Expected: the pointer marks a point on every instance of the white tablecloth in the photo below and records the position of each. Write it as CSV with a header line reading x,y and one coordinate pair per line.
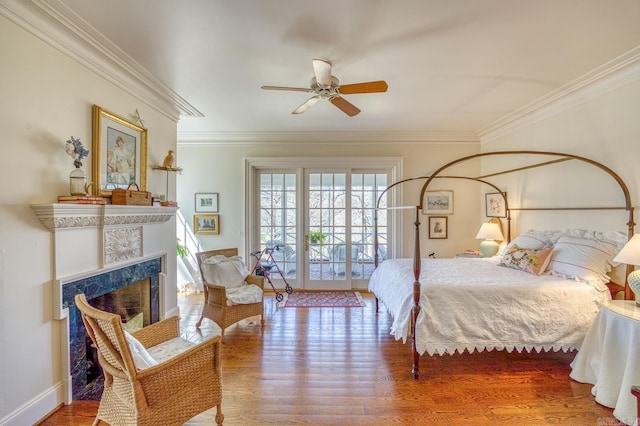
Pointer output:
x,y
609,358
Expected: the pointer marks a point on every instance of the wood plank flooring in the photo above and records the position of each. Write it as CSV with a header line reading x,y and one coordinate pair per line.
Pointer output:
x,y
329,366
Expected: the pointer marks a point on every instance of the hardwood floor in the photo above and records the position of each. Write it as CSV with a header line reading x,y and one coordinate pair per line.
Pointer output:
x,y
324,366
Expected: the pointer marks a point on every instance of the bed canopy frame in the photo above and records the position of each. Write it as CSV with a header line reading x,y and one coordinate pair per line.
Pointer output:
x,y
557,157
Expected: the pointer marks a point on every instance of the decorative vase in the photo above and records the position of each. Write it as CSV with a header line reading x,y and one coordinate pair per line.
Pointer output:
x,y
78,182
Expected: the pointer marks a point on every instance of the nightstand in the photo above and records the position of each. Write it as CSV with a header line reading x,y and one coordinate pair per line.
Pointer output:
x,y
608,358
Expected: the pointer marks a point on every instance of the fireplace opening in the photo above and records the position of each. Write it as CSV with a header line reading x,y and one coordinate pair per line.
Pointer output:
x,y
133,292
133,304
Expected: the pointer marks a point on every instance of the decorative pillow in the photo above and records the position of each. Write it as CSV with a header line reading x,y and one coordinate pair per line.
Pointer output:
x,y
533,261
530,240
141,357
583,258
227,271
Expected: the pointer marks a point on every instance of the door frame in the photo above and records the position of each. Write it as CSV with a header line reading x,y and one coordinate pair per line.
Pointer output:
x,y
299,164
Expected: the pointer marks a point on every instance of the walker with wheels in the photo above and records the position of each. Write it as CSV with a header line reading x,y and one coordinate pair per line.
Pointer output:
x,y
264,266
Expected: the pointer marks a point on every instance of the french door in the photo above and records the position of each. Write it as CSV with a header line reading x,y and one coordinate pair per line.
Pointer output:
x,y
319,223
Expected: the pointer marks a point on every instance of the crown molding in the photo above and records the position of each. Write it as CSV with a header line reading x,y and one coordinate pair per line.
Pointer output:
x,y
57,25
610,76
194,139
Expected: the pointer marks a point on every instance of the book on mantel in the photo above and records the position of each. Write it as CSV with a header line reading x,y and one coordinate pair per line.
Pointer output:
x,y
81,199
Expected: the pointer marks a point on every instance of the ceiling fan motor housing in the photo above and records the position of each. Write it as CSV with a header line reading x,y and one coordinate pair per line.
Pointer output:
x,y
325,92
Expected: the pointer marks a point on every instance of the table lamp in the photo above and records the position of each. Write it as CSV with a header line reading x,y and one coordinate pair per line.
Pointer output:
x,y
489,232
630,254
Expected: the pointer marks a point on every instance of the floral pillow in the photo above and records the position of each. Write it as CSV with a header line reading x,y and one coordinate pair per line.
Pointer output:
x,y
533,261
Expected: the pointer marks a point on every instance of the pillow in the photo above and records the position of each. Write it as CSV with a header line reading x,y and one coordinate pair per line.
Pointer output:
x,y
226,271
533,261
583,258
141,357
530,240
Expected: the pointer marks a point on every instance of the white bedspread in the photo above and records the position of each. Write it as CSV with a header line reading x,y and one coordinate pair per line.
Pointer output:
x,y
475,304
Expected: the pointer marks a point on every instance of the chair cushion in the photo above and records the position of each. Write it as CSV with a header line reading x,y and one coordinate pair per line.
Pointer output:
x,y
170,348
244,294
141,357
226,271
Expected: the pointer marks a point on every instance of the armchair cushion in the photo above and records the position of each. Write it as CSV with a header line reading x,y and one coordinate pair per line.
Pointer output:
x,y
170,348
244,294
229,272
141,357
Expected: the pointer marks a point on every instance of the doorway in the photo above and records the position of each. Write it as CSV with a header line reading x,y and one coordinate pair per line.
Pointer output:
x,y
320,221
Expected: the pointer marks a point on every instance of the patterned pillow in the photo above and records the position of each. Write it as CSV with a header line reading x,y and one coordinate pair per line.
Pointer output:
x,y
533,261
530,240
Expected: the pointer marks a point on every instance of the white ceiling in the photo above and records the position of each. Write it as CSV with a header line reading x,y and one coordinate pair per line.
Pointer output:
x,y
451,66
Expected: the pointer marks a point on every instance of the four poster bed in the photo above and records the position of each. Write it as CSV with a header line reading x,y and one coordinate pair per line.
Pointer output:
x,y
540,293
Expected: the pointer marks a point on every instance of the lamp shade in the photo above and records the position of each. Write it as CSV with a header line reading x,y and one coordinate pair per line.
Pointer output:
x,y
630,253
489,231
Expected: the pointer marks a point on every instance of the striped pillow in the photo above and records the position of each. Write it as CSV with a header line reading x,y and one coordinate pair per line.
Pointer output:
x,y
582,258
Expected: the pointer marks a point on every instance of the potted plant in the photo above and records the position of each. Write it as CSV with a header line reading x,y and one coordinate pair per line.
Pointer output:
x,y
317,237
181,249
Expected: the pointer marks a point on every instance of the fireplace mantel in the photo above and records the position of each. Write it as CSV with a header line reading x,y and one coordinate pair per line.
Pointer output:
x,y
92,240
65,216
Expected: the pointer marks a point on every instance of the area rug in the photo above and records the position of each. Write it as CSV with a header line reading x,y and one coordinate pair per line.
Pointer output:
x,y
322,299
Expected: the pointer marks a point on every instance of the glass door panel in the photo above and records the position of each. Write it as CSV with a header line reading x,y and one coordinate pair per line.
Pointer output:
x,y
327,231
365,190
278,222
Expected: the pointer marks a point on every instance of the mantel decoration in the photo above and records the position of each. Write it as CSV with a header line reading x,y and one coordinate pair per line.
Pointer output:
x,y
119,153
77,177
167,166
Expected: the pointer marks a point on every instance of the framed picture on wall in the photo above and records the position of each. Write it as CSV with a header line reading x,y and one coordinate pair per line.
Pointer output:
x,y
119,156
206,202
437,227
438,202
495,205
206,224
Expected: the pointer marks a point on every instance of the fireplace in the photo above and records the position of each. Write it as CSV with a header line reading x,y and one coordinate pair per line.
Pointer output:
x,y
138,284
98,249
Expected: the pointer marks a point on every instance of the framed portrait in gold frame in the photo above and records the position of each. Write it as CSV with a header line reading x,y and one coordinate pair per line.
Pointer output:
x,y
119,153
207,224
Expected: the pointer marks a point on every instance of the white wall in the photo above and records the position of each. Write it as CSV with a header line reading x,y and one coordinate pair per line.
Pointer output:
x,y
46,98
220,168
603,126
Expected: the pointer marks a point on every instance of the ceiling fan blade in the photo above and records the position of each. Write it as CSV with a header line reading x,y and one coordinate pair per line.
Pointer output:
x,y
308,104
323,72
346,106
369,87
295,89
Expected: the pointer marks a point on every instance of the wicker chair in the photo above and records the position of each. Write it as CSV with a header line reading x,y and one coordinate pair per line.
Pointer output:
x,y
215,303
169,393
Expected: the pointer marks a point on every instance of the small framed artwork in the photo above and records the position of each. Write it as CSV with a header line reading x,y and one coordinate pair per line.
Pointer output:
x,y
495,205
438,202
119,155
437,227
207,224
206,202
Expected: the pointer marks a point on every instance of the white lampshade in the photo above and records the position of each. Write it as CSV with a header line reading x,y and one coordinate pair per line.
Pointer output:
x,y
630,254
489,231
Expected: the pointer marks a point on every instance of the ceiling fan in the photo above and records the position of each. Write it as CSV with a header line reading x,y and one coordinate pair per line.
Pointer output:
x,y
326,86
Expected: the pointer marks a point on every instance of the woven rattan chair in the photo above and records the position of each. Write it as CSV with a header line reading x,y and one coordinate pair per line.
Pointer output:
x,y
169,393
216,307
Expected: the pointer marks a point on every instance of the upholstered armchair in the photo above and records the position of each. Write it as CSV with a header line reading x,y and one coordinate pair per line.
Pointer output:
x,y
225,302
152,376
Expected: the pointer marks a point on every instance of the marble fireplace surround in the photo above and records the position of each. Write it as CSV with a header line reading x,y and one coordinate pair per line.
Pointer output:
x,y
91,242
